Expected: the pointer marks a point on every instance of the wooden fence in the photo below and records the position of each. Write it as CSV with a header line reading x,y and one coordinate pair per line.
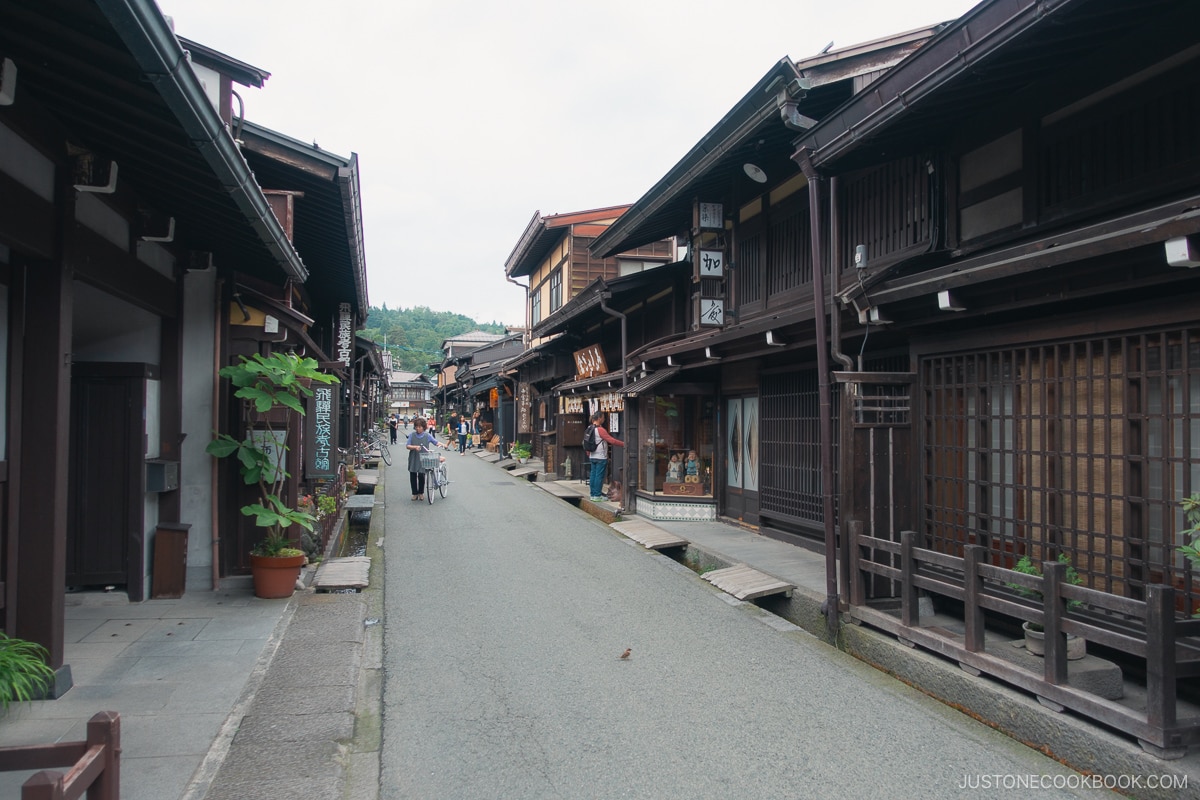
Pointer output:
x,y
1148,630
95,764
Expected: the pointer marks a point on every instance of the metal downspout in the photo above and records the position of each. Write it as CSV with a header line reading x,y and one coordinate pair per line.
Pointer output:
x,y
214,470
835,339
825,417
604,298
835,270
526,336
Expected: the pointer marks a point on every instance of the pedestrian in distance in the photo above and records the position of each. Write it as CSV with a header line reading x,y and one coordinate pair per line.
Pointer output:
x,y
601,439
420,439
393,426
464,430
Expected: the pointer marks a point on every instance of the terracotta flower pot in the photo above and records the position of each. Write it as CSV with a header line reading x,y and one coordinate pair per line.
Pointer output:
x,y
275,576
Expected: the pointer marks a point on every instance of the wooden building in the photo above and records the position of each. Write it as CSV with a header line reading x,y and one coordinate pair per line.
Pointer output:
x,y
129,217
997,352
739,201
554,255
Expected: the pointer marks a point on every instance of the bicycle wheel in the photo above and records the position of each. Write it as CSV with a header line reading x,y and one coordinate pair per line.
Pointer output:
x,y
385,454
430,483
443,481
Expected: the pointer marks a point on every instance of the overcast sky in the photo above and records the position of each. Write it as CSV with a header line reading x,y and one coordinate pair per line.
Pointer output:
x,y
469,116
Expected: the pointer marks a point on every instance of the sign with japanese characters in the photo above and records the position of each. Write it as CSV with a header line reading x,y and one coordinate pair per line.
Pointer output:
x,y
710,216
524,405
712,311
274,444
710,263
345,335
320,442
590,362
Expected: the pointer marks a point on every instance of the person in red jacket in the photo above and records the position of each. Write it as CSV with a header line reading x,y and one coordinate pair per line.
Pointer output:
x,y
599,456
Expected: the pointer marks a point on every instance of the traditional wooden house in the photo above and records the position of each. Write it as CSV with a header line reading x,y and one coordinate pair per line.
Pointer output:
x,y
411,393
554,255
450,396
1005,224
739,201
128,215
603,327
483,386
315,196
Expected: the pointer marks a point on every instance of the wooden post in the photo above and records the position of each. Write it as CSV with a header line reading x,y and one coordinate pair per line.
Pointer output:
x,y
44,785
858,592
1054,575
104,729
910,605
1160,657
973,556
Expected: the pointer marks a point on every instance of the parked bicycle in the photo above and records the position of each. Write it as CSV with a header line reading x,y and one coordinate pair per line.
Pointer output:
x,y
436,476
376,440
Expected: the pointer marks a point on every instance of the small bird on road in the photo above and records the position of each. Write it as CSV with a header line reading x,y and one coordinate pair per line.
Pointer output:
x,y
628,652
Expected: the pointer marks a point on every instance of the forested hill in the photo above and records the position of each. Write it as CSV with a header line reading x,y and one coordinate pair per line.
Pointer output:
x,y
415,335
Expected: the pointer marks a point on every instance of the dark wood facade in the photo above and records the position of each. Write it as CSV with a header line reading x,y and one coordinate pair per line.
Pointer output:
x,y
1012,348
121,248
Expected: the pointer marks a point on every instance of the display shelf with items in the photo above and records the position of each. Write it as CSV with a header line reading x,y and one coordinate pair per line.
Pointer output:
x,y
677,446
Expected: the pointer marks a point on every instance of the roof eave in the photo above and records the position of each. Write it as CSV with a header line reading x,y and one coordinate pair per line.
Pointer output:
x,y
158,53
959,47
756,106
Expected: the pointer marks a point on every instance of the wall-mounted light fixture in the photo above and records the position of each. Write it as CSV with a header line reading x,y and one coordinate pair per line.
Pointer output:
x,y
754,172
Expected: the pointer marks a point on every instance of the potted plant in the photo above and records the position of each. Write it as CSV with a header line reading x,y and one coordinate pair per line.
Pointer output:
x,y
521,451
24,673
326,505
1035,635
272,387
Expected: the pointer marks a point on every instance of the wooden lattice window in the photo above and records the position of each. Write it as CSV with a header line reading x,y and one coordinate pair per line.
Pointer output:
x,y
791,481
1083,447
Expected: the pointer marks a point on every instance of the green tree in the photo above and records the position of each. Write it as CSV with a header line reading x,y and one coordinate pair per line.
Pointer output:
x,y
414,336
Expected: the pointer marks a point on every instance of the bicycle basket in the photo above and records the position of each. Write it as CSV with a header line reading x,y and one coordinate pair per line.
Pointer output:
x,y
429,460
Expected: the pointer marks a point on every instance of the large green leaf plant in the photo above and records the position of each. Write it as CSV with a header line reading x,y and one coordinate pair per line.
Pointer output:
x,y
268,383
24,674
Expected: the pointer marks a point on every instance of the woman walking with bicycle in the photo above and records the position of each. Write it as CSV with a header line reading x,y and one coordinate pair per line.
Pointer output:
x,y
420,439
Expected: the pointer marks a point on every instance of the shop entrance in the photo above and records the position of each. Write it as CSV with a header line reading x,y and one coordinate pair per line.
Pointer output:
x,y
740,496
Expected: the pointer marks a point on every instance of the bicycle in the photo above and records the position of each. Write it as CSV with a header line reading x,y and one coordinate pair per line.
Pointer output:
x,y
377,441
436,476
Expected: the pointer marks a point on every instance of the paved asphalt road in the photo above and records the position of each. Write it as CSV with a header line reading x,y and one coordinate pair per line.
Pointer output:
x,y
506,611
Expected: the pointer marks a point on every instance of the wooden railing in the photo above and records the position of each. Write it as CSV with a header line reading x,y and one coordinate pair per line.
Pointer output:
x,y
1148,630
95,764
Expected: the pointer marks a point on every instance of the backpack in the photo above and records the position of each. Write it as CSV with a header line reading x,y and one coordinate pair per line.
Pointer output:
x,y
589,439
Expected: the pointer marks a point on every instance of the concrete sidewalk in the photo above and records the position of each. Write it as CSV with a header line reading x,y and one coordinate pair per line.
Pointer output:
x,y
222,694
173,669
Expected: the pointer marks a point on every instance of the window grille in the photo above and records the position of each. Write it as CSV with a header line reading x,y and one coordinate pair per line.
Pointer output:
x,y
1083,447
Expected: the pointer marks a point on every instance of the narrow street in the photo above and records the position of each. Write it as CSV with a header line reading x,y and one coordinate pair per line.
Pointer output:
x,y
507,611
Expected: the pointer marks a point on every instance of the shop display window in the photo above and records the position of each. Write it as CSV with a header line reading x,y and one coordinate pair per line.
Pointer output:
x,y
675,456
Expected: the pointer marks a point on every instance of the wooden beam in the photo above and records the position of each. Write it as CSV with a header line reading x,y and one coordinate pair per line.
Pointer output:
x,y
26,220
104,265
